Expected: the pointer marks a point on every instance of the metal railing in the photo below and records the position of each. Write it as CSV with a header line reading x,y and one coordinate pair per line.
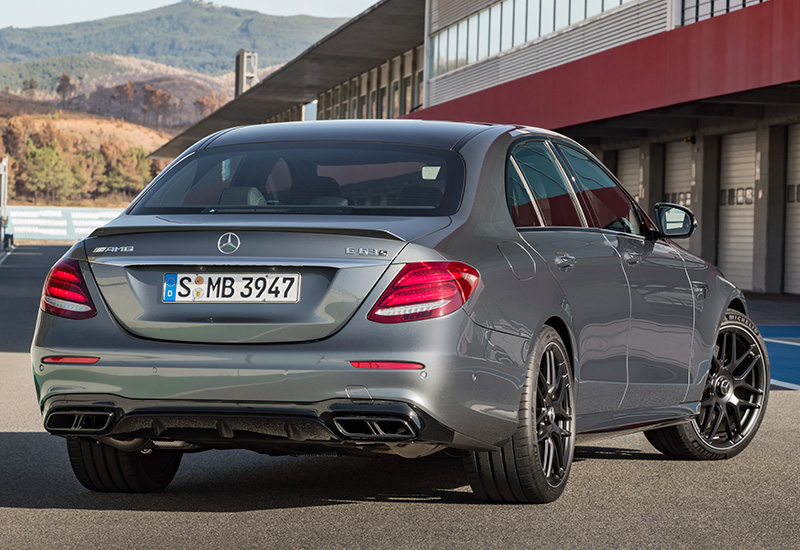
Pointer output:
x,y
693,11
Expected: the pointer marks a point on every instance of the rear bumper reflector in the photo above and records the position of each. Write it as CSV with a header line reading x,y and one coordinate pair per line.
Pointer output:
x,y
73,360
385,365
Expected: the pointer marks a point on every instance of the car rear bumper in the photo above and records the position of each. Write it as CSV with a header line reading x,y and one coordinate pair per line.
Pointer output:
x,y
340,426
469,387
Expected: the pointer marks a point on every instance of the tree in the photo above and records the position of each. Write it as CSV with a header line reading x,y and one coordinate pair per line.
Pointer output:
x,y
207,104
29,86
49,175
124,93
65,87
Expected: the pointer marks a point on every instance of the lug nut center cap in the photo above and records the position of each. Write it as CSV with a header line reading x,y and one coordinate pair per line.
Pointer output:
x,y
723,387
551,415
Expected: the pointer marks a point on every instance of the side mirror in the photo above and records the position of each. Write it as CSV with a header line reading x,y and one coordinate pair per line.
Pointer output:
x,y
674,221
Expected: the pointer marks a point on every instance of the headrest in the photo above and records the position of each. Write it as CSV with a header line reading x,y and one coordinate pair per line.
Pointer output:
x,y
242,196
303,191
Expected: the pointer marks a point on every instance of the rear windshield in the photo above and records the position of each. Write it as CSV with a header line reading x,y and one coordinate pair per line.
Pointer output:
x,y
311,178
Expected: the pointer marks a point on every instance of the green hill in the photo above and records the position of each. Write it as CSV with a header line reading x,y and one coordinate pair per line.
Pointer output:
x,y
191,34
47,71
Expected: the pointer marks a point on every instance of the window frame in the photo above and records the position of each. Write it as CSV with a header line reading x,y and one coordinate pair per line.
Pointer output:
x,y
558,162
573,177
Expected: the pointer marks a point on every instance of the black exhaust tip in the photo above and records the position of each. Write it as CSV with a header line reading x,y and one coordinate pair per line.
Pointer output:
x,y
375,428
79,422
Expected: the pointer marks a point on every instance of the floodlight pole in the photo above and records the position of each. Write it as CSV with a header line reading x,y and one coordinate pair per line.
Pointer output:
x,y
3,200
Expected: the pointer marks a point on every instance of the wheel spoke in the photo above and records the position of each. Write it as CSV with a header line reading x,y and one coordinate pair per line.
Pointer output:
x,y
559,456
728,426
749,368
748,388
737,419
717,422
547,458
561,432
706,417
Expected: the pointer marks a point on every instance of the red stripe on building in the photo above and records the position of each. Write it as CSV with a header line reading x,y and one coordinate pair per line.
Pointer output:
x,y
755,47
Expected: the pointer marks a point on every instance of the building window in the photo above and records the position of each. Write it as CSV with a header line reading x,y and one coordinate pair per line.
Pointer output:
x,y
547,17
534,11
520,20
383,104
461,53
483,34
406,99
495,24
507,25
420,87
472,39
452,45
395,112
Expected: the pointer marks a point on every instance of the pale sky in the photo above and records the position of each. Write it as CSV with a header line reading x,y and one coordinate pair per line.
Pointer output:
x,y
44,13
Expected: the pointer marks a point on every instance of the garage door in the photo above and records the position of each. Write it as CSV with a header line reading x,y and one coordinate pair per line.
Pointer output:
x,y
791,275
678,173
628,170
737,207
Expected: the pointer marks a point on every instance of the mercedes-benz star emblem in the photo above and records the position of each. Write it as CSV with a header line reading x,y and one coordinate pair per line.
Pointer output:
x,y
228,243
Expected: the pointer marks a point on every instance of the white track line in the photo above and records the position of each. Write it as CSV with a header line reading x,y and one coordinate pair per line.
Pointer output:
x,y
787,385
3,259
775,341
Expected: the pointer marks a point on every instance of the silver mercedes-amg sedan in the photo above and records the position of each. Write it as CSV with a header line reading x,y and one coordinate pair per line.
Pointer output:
x,y
402,287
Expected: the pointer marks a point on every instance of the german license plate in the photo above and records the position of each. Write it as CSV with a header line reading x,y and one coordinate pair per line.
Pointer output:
x,y
231,287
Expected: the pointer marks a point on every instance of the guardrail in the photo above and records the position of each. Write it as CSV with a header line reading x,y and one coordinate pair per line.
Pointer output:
x,y
48,223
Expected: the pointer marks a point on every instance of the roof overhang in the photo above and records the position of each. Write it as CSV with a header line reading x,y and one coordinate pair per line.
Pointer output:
x,y
385,30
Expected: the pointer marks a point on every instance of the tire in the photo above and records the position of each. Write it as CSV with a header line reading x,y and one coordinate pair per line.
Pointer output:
x,y
734,399
533,467
104,469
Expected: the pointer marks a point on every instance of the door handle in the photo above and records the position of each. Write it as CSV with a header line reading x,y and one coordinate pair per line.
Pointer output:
x,y
565,261
632,258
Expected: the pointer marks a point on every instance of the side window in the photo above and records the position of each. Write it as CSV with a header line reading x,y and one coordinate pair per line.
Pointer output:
x,y
546,182
522,209
608,205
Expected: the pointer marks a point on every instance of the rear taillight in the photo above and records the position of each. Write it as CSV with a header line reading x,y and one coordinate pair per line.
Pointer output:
x,y
425,290
65,293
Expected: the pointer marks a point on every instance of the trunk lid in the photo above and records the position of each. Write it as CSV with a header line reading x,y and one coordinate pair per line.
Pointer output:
x,y
336,265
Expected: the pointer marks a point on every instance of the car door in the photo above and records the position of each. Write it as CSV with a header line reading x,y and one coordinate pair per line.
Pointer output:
x,y
589,271
662,307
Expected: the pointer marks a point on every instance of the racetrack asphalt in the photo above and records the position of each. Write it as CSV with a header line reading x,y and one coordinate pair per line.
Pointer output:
x,y
621,493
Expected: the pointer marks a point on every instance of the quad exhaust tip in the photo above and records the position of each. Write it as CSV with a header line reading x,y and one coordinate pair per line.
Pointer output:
x,y
79,422
376,428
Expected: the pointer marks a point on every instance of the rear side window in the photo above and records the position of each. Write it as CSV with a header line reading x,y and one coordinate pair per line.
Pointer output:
x,y
311,178
550,190
608,206
523,212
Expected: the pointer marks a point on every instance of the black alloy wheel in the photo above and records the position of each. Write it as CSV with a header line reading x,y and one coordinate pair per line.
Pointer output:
x,y
555,432
734,397
534,465
735,391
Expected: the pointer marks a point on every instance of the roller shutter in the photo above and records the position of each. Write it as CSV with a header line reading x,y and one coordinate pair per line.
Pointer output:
x,y
678,173
791,274
737,207
628,170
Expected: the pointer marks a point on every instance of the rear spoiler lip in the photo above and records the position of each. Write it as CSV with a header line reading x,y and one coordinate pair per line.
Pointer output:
x,y
109,231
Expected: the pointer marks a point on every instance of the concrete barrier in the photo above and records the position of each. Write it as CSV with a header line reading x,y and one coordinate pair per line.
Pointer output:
x,y
53,223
